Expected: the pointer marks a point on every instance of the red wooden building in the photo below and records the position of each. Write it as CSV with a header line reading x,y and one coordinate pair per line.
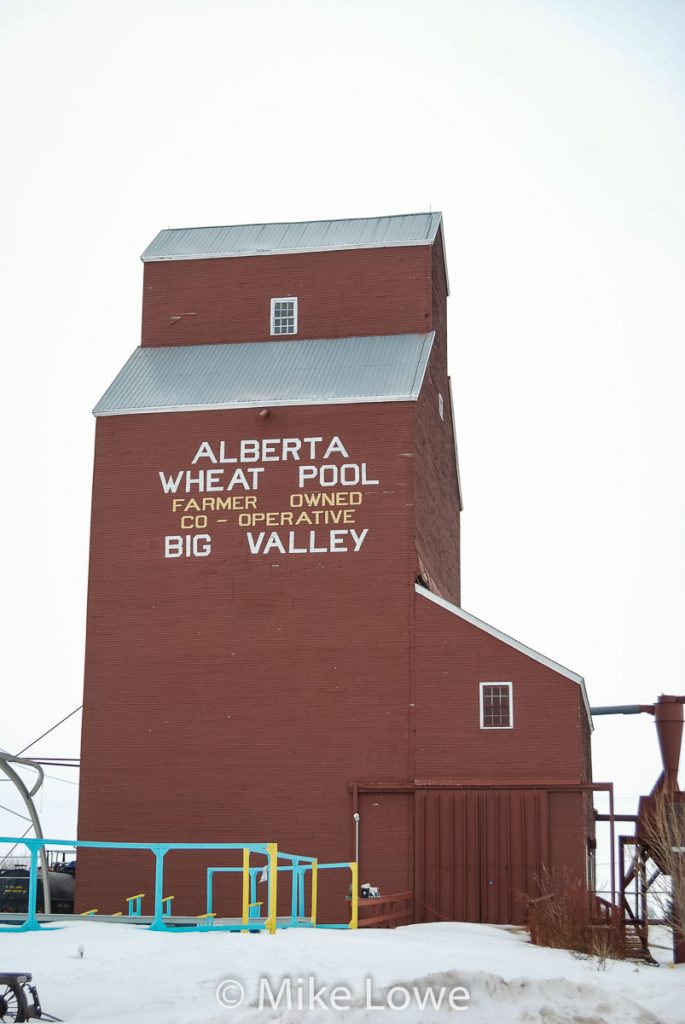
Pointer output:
x,y
275,639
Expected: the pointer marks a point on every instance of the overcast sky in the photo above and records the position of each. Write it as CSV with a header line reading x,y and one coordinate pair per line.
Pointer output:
x,y
550,134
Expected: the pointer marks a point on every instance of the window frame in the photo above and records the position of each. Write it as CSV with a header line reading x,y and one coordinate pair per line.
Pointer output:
x,y
272,318
510,687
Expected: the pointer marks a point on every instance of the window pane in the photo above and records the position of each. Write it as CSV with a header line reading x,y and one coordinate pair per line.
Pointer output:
x,y
496,707
284,316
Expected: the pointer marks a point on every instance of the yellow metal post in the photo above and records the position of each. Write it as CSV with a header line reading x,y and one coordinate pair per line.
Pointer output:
x,y
272,854
354,918
315,889
246,885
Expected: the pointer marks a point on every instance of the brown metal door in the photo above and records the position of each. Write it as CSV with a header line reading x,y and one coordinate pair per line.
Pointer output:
x,y
478,853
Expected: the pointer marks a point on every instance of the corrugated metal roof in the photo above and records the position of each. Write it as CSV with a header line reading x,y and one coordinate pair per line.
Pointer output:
x,y
389,368
302,236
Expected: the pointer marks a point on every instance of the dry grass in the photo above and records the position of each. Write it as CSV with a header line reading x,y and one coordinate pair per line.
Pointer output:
x,y
567,916
664,833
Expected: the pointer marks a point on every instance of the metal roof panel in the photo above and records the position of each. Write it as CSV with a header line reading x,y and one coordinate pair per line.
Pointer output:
x,y
388,368
300,236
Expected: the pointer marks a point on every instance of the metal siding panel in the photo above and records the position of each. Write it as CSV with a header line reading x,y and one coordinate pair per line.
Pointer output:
x,y
492,863
445,840
430,860
459,857
517,873
467,839
472,858
419,856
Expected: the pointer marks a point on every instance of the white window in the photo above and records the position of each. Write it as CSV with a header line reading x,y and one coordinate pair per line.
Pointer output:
x,y
496,706
284,316
441,406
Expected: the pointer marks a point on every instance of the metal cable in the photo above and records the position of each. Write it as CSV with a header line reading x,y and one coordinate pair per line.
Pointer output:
x,y
11,851
10,811
52,729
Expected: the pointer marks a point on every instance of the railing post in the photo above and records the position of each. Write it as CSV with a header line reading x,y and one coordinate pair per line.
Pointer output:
x,y
301,875
354,903
157,922
210,879
315,890
246,885
272,854
31,923
295,879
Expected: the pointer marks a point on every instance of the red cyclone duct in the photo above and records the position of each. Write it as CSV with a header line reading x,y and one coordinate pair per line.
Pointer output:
x,y
668,718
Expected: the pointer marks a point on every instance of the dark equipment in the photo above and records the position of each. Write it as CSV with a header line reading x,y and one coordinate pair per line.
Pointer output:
x,y
18,998
14,892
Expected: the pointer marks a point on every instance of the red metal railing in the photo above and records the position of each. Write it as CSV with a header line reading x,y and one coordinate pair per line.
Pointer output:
x,y
386,911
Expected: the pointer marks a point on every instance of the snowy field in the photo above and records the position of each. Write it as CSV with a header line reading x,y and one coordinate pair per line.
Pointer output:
x,y
128,975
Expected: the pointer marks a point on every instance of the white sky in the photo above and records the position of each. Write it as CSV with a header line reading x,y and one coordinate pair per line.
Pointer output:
x,y
549,132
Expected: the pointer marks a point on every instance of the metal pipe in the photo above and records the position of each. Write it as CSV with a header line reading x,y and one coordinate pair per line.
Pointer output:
x,y
612,839
617,817
26,795
668,719
623,709
426,784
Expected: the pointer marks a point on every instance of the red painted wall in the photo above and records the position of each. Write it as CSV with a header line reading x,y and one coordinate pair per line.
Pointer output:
x,y
453,657
236,696
548,745
437,524
439,302
239,696
346,293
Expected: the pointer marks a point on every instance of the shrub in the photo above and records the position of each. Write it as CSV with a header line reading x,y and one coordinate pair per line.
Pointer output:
x,y
567,916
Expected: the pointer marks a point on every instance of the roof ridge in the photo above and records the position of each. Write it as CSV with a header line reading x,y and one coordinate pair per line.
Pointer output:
x,y
318,220
268,238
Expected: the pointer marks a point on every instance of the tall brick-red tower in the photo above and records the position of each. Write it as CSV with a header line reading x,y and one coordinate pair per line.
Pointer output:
x,y
275,638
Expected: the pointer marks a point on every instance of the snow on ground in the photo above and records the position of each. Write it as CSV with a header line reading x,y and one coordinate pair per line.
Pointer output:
x,y
129,975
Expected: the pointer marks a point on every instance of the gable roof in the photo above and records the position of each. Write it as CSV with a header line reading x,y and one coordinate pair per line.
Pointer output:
x,y
180,378
516,644
300,236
